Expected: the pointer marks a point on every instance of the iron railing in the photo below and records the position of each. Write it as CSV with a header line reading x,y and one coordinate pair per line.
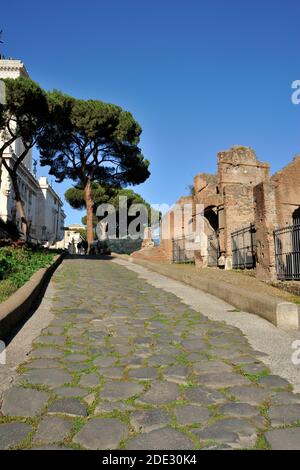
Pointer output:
x,y
243,245
181,251
287,251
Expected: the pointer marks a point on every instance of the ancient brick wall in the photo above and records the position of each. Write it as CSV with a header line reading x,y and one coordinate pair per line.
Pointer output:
x,y
241,193
176,223
240,165
238,212
207,200
287,191
265,219
167,233
238,172
206,203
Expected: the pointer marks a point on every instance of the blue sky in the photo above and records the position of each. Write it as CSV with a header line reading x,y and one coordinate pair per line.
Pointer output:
x,y
199,76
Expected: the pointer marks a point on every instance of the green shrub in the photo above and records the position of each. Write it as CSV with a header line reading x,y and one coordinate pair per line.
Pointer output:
x,y
6,262
18,264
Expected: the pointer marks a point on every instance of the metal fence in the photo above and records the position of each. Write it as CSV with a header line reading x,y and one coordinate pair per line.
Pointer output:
x,y
287,252
181,252
243,244
213,249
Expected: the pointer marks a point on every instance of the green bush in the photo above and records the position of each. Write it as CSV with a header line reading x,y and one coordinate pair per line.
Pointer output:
x,y
17,266
6,262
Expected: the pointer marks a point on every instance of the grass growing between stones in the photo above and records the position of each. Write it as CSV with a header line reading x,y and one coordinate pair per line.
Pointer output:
x,y
131,400
78,423
92,406
26,443
32,421
131,434
226,393
123,416
17,419
188,384
39,387
216,415
90,370
182,358
262,443
187,431
180,401
21,369
158,318
264,412
254,378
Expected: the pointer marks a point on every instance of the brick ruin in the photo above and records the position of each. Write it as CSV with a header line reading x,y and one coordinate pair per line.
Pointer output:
x,y
241,194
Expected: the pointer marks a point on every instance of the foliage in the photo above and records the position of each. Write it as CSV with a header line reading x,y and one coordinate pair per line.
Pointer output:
x,y
17,266
92,139
24,117
107,195
83,233
100,195
89,141
26,107
84,221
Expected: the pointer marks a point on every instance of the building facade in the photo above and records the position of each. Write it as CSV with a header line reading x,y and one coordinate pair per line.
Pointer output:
x,y
72,236
42,205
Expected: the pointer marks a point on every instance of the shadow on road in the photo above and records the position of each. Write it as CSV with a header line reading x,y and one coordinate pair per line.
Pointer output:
x,y
89,257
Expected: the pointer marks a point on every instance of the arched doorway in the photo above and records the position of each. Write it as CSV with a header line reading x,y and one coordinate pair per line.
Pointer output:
x,y
296,216
211,227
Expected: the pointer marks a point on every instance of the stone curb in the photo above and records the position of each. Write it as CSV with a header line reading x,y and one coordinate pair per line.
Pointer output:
x,y
282,314
17,306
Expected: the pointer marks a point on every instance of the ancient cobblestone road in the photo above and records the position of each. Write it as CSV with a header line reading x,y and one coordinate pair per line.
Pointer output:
x,y
127,366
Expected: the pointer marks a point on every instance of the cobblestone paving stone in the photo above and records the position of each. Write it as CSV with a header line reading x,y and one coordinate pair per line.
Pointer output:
x,y
125,365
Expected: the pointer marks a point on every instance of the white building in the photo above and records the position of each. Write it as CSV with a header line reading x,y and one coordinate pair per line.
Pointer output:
x,y
42,205
71,238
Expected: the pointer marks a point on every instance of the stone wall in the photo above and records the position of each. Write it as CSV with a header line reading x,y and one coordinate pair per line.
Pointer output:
x,y
287,192
167,233
176,223
238,172
265,221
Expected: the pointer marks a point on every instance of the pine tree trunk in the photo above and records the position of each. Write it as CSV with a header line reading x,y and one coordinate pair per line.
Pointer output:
x,y
20,207
89,215
2,150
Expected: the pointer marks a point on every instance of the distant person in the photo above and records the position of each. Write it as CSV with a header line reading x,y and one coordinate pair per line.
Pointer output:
x,y
71,248
84,245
